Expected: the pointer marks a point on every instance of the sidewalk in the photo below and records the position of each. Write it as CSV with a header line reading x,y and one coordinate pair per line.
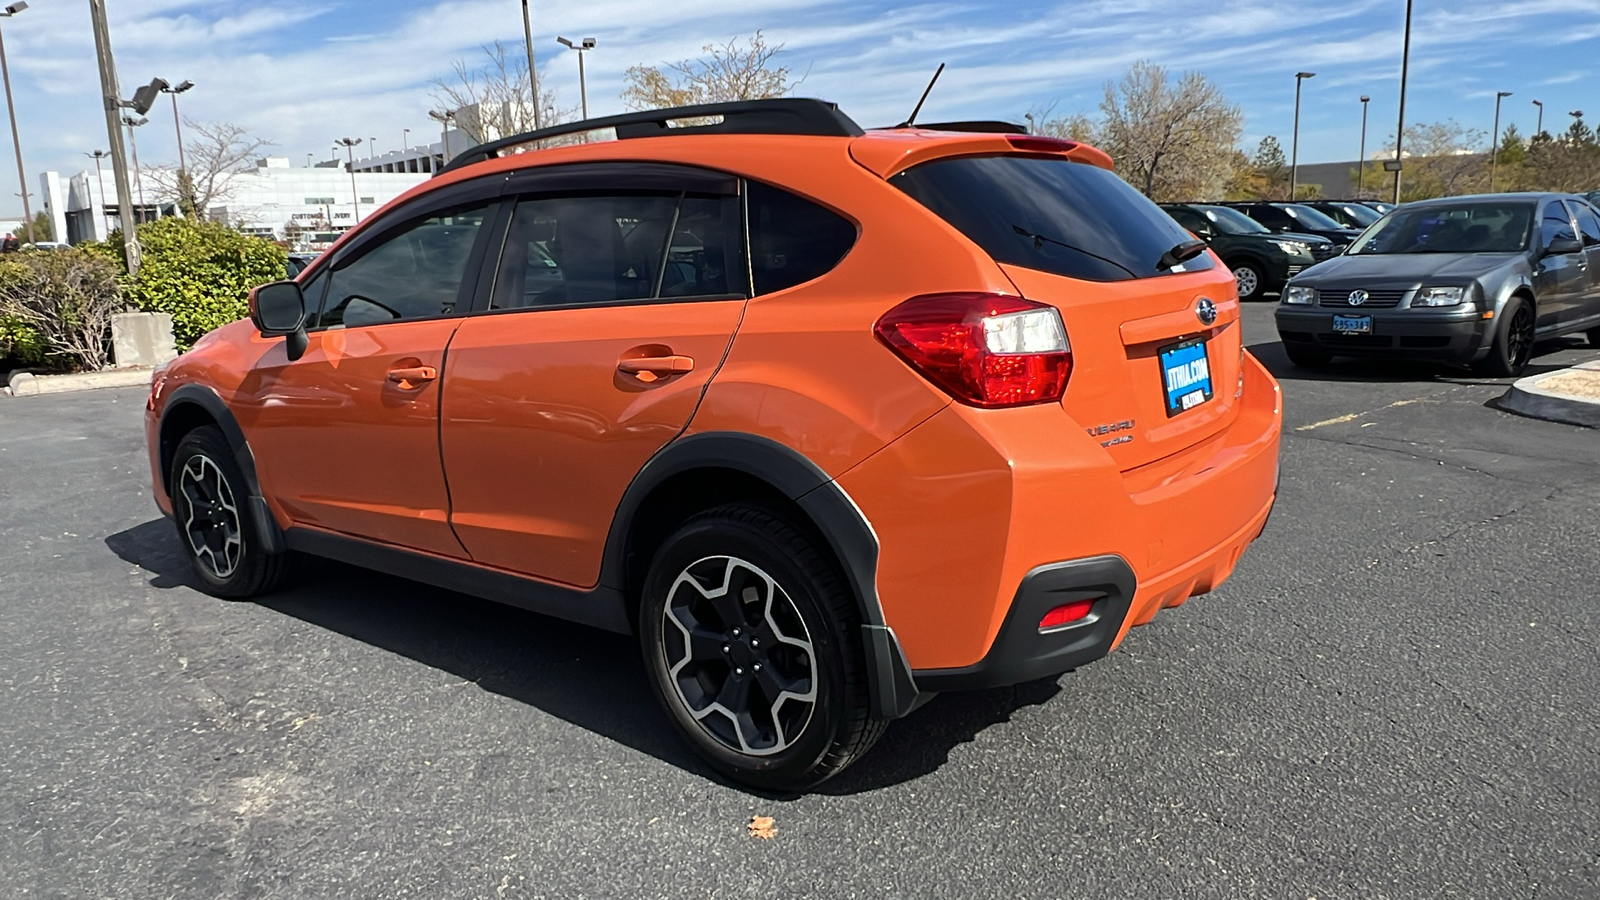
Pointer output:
x,y
26,384
1566,395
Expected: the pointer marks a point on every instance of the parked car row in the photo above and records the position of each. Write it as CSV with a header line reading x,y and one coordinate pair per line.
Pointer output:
x,y
1266,243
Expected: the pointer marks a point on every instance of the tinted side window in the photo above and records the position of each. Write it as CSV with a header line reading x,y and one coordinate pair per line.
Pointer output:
x,y
1054,215
1270,216
792,240
1588,224
1189,220
1555,224
413,274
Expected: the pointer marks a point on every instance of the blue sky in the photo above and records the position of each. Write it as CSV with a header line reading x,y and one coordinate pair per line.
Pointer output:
x,y
303,73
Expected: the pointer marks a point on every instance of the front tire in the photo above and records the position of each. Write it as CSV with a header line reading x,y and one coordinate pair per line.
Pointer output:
x,y
1513,342
753,647
1252,283
1593,335
214,524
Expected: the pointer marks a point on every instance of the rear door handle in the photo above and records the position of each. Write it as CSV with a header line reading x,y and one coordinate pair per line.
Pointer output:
x,y
653,368
413,376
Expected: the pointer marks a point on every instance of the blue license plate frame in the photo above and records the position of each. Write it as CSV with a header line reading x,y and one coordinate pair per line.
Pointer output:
x,y
1185,375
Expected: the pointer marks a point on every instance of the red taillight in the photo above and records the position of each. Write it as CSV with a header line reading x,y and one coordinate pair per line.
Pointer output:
x,y
987,350
1034,143
1066,615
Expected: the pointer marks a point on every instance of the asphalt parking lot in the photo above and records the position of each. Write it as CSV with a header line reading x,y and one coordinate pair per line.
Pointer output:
x,y
1395,696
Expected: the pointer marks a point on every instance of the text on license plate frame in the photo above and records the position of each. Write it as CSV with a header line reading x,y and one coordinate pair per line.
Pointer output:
x,y
1352,324
1185,375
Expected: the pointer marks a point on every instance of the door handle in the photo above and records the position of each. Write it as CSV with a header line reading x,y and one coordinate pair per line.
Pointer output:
x,y
653,368
412,377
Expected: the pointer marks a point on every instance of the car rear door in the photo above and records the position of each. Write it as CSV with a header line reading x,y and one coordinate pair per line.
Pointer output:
x,y
614,301
348,435
1586,309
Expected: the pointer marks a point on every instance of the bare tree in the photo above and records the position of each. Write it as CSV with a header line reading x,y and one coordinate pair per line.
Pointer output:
x,y
218,152
1173,141
1443,159
68,297
737,70
496,100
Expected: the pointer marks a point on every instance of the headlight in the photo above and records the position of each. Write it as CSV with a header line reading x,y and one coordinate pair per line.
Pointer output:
x,y
1298,248
1439,296
1300,296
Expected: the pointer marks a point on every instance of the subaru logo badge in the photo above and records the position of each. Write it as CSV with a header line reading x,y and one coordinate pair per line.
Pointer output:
x,y
1206,311
1356,298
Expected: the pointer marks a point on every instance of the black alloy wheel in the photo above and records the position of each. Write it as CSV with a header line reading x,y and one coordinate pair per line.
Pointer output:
x,y
209,507
754,650
1513,342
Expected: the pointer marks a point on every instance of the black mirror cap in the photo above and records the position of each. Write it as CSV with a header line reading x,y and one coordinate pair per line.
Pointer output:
x,y
279,310
1563,246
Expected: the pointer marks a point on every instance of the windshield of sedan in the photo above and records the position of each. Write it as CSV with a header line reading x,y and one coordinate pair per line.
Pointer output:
x,y
1468,228
1231,221
1310,218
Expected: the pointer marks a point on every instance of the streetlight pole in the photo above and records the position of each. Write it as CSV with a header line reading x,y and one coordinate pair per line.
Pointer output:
x,y
1361,176
1294,152
580,46
1494,145
1400,129
350,153
100,176
533,78
133,142
177,123
1539,128
111,96
16,140
405,140
445,117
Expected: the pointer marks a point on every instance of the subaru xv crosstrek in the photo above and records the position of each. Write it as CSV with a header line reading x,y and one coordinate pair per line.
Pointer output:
x,y
832,420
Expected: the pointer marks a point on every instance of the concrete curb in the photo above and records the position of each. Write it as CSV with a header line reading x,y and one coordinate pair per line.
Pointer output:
x,y
27,384
1528,398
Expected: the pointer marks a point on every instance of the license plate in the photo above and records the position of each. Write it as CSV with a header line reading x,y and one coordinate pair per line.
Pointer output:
x,y
1186,375
1352,324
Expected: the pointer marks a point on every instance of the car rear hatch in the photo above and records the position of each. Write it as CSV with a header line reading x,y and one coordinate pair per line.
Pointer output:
x,y
1156,349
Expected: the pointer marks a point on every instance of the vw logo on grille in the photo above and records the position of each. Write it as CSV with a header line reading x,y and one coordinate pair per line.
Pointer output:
x,y
1356,298
1206,311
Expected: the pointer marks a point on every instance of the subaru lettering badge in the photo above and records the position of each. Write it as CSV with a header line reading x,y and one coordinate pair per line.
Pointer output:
x,y
1357,298
1206,311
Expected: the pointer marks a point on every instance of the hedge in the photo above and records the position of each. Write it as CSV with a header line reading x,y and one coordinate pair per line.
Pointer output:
x,y
201,273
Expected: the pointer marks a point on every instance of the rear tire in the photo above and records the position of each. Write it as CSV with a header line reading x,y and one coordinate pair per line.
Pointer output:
x,y
1251,282
1307,357
210,508
753,646
1593,335
1513,342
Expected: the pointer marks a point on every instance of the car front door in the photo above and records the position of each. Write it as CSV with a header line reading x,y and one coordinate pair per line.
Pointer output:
x,y
348,435
1560,279
1585,312
611,309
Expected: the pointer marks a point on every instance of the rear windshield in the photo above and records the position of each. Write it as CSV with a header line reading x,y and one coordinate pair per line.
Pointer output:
x,y
1054,215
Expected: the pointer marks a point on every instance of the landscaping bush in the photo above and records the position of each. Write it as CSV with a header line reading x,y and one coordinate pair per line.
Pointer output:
x,y
201,273
56,306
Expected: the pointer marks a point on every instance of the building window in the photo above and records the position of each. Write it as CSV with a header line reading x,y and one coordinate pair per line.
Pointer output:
x,y
318,201
367,200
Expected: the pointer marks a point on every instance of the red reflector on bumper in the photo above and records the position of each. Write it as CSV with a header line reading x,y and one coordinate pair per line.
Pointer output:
x,y
1065,615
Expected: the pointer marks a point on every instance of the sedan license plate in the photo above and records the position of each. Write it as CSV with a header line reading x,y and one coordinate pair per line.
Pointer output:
x,y
1352,324
1186,375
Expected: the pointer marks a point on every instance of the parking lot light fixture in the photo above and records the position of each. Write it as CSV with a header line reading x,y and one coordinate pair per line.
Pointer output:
x,y
133,145
580,46
1294,147
1494,144
177,123
1361,171
16,140
444,117
349,145
100,176
1538,128
1400,128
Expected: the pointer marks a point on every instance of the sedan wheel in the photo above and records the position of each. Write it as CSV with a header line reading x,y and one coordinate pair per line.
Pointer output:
x,y
1513,343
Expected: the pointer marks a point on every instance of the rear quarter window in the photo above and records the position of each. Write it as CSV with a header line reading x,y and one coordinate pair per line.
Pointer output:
x,y
792,240
1054,215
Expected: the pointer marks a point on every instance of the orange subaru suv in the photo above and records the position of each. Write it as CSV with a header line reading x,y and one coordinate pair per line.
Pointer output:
x,y
833,420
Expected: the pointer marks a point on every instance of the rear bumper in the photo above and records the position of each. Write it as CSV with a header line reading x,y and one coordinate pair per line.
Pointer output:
x,y
1409,334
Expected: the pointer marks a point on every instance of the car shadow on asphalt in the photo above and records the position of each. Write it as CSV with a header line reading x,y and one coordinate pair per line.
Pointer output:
x,y
1353,369
591,678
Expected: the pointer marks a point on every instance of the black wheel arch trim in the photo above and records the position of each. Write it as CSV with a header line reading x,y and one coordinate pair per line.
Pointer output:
x,y
834,514
215,408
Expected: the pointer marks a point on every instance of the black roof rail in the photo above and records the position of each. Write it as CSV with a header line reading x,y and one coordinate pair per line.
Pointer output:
x,y
781,115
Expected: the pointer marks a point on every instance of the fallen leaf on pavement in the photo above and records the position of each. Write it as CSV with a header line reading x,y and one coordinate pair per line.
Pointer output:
x,y
762,827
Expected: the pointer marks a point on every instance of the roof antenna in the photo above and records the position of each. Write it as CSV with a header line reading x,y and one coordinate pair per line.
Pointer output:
x,y
908,122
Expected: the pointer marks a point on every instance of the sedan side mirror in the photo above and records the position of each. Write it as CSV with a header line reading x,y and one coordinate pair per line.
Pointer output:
x,y
279,310
1562,246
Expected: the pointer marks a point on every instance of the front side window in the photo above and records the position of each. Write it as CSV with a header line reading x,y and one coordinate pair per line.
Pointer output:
x,y
1231,221
1588,224
1306,217
1050,214
1271,216
416,273
1555,225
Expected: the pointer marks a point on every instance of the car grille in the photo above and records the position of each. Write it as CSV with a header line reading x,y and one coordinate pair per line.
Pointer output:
x,y
1376,299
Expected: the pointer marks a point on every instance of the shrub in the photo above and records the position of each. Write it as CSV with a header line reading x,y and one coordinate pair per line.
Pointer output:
x,y
201,273
57,305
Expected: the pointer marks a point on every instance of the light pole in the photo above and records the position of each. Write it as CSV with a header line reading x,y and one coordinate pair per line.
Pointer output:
x,y
1494,145
1294,151
349,145
111,96
1029,117
1361,173
177,123
372,148
405,140
533,78
1577,116
133,142
445,117
100,176
16,140
1539,128
583,90
1400,129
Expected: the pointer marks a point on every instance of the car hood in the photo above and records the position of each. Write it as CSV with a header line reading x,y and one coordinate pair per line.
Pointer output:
x,y
1406,267
1312,239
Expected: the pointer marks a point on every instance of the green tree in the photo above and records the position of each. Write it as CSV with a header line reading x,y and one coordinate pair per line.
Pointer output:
x,y
201,273
43,228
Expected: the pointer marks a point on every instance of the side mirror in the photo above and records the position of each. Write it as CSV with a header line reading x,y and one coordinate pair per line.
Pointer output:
x,y
279,310
1562,246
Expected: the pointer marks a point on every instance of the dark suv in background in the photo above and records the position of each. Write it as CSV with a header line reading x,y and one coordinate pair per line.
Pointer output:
x,y
1298,218
1349,213
1261,261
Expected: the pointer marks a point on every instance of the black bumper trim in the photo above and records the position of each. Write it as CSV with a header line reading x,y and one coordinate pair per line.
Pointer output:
x,y
1021,653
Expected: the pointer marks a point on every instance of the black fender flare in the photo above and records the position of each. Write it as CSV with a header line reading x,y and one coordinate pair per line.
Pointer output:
x,y
834,514
207,400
